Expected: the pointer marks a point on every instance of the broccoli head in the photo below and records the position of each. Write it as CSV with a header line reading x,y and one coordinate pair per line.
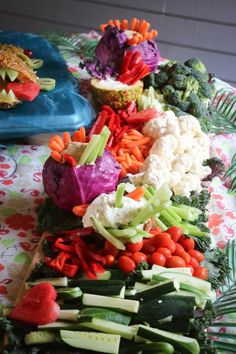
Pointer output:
x,y
205,89
197,66
160,79
179,68
167,91
149,81
217,168
197,107
179,81
192,85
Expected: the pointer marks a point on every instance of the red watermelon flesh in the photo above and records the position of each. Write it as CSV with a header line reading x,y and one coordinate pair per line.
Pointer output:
x,y
38,306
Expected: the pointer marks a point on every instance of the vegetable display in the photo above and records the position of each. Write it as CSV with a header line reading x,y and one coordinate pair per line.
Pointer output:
x,y
18,80
126,265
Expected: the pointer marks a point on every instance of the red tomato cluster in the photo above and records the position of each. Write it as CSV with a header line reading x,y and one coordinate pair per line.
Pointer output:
x,y
169,249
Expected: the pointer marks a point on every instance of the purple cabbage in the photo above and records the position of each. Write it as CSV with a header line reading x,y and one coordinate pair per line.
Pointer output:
x,y
149,52
69,186
109,53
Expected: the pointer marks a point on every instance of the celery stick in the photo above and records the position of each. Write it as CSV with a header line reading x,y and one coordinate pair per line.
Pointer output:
x,y
160,224
105,134
186,212
172,220
164,193
152,190
119,195
123,232
92,145
106,234
193,229
147,194
174,214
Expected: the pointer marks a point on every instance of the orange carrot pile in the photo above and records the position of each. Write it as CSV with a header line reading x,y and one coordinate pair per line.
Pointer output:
x,y
139,27
58,144
131,150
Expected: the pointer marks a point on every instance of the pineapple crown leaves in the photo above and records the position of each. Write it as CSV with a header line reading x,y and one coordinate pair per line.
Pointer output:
x,y
231,173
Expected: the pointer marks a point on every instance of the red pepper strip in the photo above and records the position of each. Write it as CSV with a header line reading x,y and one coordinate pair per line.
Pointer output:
x,y
126,62
143,116
86,231
59,261
99,124
107,108
84,263
48,260
136,59
111,121
69,270
117,121
110,141
70,160
97,268
61,246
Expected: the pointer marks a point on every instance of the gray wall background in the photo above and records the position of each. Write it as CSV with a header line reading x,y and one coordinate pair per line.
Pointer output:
x,y
205,29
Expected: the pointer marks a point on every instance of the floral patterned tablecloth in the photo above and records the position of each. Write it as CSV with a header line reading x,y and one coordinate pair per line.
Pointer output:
x,y
21,191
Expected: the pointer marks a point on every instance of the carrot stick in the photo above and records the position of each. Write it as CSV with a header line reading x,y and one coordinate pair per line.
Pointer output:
x,y
134,40
53,145
82,135
128,159
133,23
142,141
144,27
136,132
111,22
137,153
124,24
123,172
66,138
137,25
56,156
117,23
103,27
136,194
59,140
80,210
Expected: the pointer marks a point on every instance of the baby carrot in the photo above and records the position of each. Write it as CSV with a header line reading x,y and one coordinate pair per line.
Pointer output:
x,y
124,24
117,23
56,156
80,210
133,24
59,140
137,193
137,153
53,145
66,138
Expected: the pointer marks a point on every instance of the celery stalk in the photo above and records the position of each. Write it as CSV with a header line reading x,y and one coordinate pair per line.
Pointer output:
x,y
106,234
90,148
105,134
186,212
160,224
174,214
119,195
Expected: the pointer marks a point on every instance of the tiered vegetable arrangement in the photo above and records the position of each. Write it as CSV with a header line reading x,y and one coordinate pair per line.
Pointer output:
x,y
128,266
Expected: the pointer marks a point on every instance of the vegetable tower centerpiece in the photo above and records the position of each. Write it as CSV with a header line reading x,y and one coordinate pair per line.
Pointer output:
x,y
125,54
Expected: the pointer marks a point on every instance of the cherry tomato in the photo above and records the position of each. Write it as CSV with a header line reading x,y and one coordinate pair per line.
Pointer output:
x,y
175,233
125,253
172,246
191,268
155,230
186,257
157,258
110,259
148,247
197,254
139,257
178,250
175,262
110,249
165,251
134,247
201,272
161,240
193,262
126,264
188,243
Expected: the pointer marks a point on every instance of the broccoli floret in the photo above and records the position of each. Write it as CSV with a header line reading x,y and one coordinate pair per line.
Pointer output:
x,y
179,81
205,89
217,168
167,91
197,65
149,81
179,68
217,265
160,79
192,85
